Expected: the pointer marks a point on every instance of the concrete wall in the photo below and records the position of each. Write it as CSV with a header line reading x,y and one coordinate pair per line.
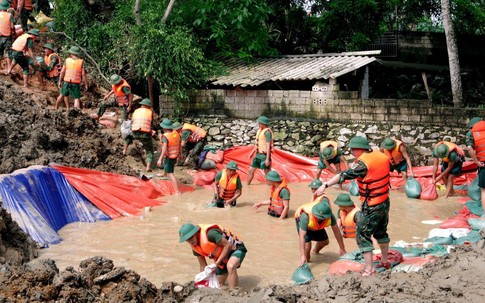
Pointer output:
x,y
250,104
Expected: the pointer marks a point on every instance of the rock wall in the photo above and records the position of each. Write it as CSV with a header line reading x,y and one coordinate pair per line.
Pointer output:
x,y
304,136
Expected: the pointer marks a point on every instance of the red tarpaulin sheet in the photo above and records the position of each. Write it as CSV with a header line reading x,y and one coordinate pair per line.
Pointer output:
x,y
296,168
118,195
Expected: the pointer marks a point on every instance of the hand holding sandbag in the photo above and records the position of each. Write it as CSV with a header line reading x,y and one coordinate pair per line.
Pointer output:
x,y
412,188
354,188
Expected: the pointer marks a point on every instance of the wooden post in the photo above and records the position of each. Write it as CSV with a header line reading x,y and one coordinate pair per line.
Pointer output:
x,y
425,81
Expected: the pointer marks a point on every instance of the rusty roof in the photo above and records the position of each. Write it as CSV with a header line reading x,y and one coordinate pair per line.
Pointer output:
x,y
293,68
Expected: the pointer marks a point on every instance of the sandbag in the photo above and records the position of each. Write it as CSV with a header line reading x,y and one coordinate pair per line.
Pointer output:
x,y
126,129
393,256
440,240
355,255
302,275
207,278
206,178
108,123
413,264
208,164
341,267
474,190
429,192
408,251
475,207
217,156
354,188
457,221
476,223
412,188
472,237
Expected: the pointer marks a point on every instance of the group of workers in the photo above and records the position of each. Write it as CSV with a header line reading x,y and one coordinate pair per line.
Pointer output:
x,y
366,223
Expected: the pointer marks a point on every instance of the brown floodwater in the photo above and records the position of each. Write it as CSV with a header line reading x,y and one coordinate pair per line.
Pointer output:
x,y
149,244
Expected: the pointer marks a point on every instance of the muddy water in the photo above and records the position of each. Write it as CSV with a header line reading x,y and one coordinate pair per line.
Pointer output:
x,y
149,244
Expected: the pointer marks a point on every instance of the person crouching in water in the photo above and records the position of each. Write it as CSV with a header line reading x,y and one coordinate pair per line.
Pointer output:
x,y
227,186
311,220
452,157
279,201
215,242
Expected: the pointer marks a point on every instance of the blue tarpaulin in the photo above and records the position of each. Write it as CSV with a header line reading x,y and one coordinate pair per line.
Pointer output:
x,y
41,201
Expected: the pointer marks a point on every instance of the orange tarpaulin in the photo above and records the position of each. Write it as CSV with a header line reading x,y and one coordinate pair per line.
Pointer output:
x,y
118,195
296,168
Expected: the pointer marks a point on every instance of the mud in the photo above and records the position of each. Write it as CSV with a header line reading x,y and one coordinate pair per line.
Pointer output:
x,y
32,133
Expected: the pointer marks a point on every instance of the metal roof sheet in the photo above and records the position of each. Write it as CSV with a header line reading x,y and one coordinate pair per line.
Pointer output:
x,y
293,68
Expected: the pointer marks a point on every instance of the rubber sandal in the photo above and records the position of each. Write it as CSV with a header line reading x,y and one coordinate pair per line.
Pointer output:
x,y
368,273
386,265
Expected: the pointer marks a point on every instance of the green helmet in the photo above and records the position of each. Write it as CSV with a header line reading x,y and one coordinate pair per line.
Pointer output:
x,y
328,153
4,5
315,184
34,32
166,124
74,50
146,102
359,142
263,120
187,231
49,46
343,200
474,121
388,144
232,165
176,125
321,211
115,79
273,176
441,150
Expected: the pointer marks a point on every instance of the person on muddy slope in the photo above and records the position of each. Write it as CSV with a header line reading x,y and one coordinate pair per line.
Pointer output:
x,y
143,129
311,220
263,149
398,155
194,139
215,242
51,68
330,153
24,10
452,157
7,32
279,199
475,141
371,170
123,97
21,47
227,186
72,75
171,151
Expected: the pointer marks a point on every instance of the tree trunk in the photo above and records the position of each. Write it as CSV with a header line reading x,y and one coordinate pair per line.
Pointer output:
x,y
136,10
454,62
167,11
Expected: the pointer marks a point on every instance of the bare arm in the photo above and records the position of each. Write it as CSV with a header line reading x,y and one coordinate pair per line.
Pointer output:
x,y
334,180
435,168
301,243
61,76
286,209
405,154
446,171
339,238
85,78
225,250
108,94
237,194
162,154
202,262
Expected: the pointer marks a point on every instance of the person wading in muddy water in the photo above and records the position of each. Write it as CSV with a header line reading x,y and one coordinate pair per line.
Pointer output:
x,y
171,151
371,170
215,242
452,157
263,148
227,186
279,199
311,220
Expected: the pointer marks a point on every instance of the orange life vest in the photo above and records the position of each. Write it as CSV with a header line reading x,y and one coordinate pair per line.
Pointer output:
x,y
478,131
313,223
451,147
20,44
197,132
261,143
394,155
210,249
120,96
326,144
228,185
57,69
27,4
173,145
142,120
374,187
74,70
5,24
276,204
348,225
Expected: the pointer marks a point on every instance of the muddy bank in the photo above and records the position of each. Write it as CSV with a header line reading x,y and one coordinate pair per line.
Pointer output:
x,y
457,277
30,133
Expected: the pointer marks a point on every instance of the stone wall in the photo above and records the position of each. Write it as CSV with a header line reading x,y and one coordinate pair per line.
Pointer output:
x,y
304,136
250,104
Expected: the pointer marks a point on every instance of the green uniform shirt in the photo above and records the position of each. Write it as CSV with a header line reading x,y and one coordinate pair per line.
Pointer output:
x,y
126,90
359,171
186,134
285,194
219,176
